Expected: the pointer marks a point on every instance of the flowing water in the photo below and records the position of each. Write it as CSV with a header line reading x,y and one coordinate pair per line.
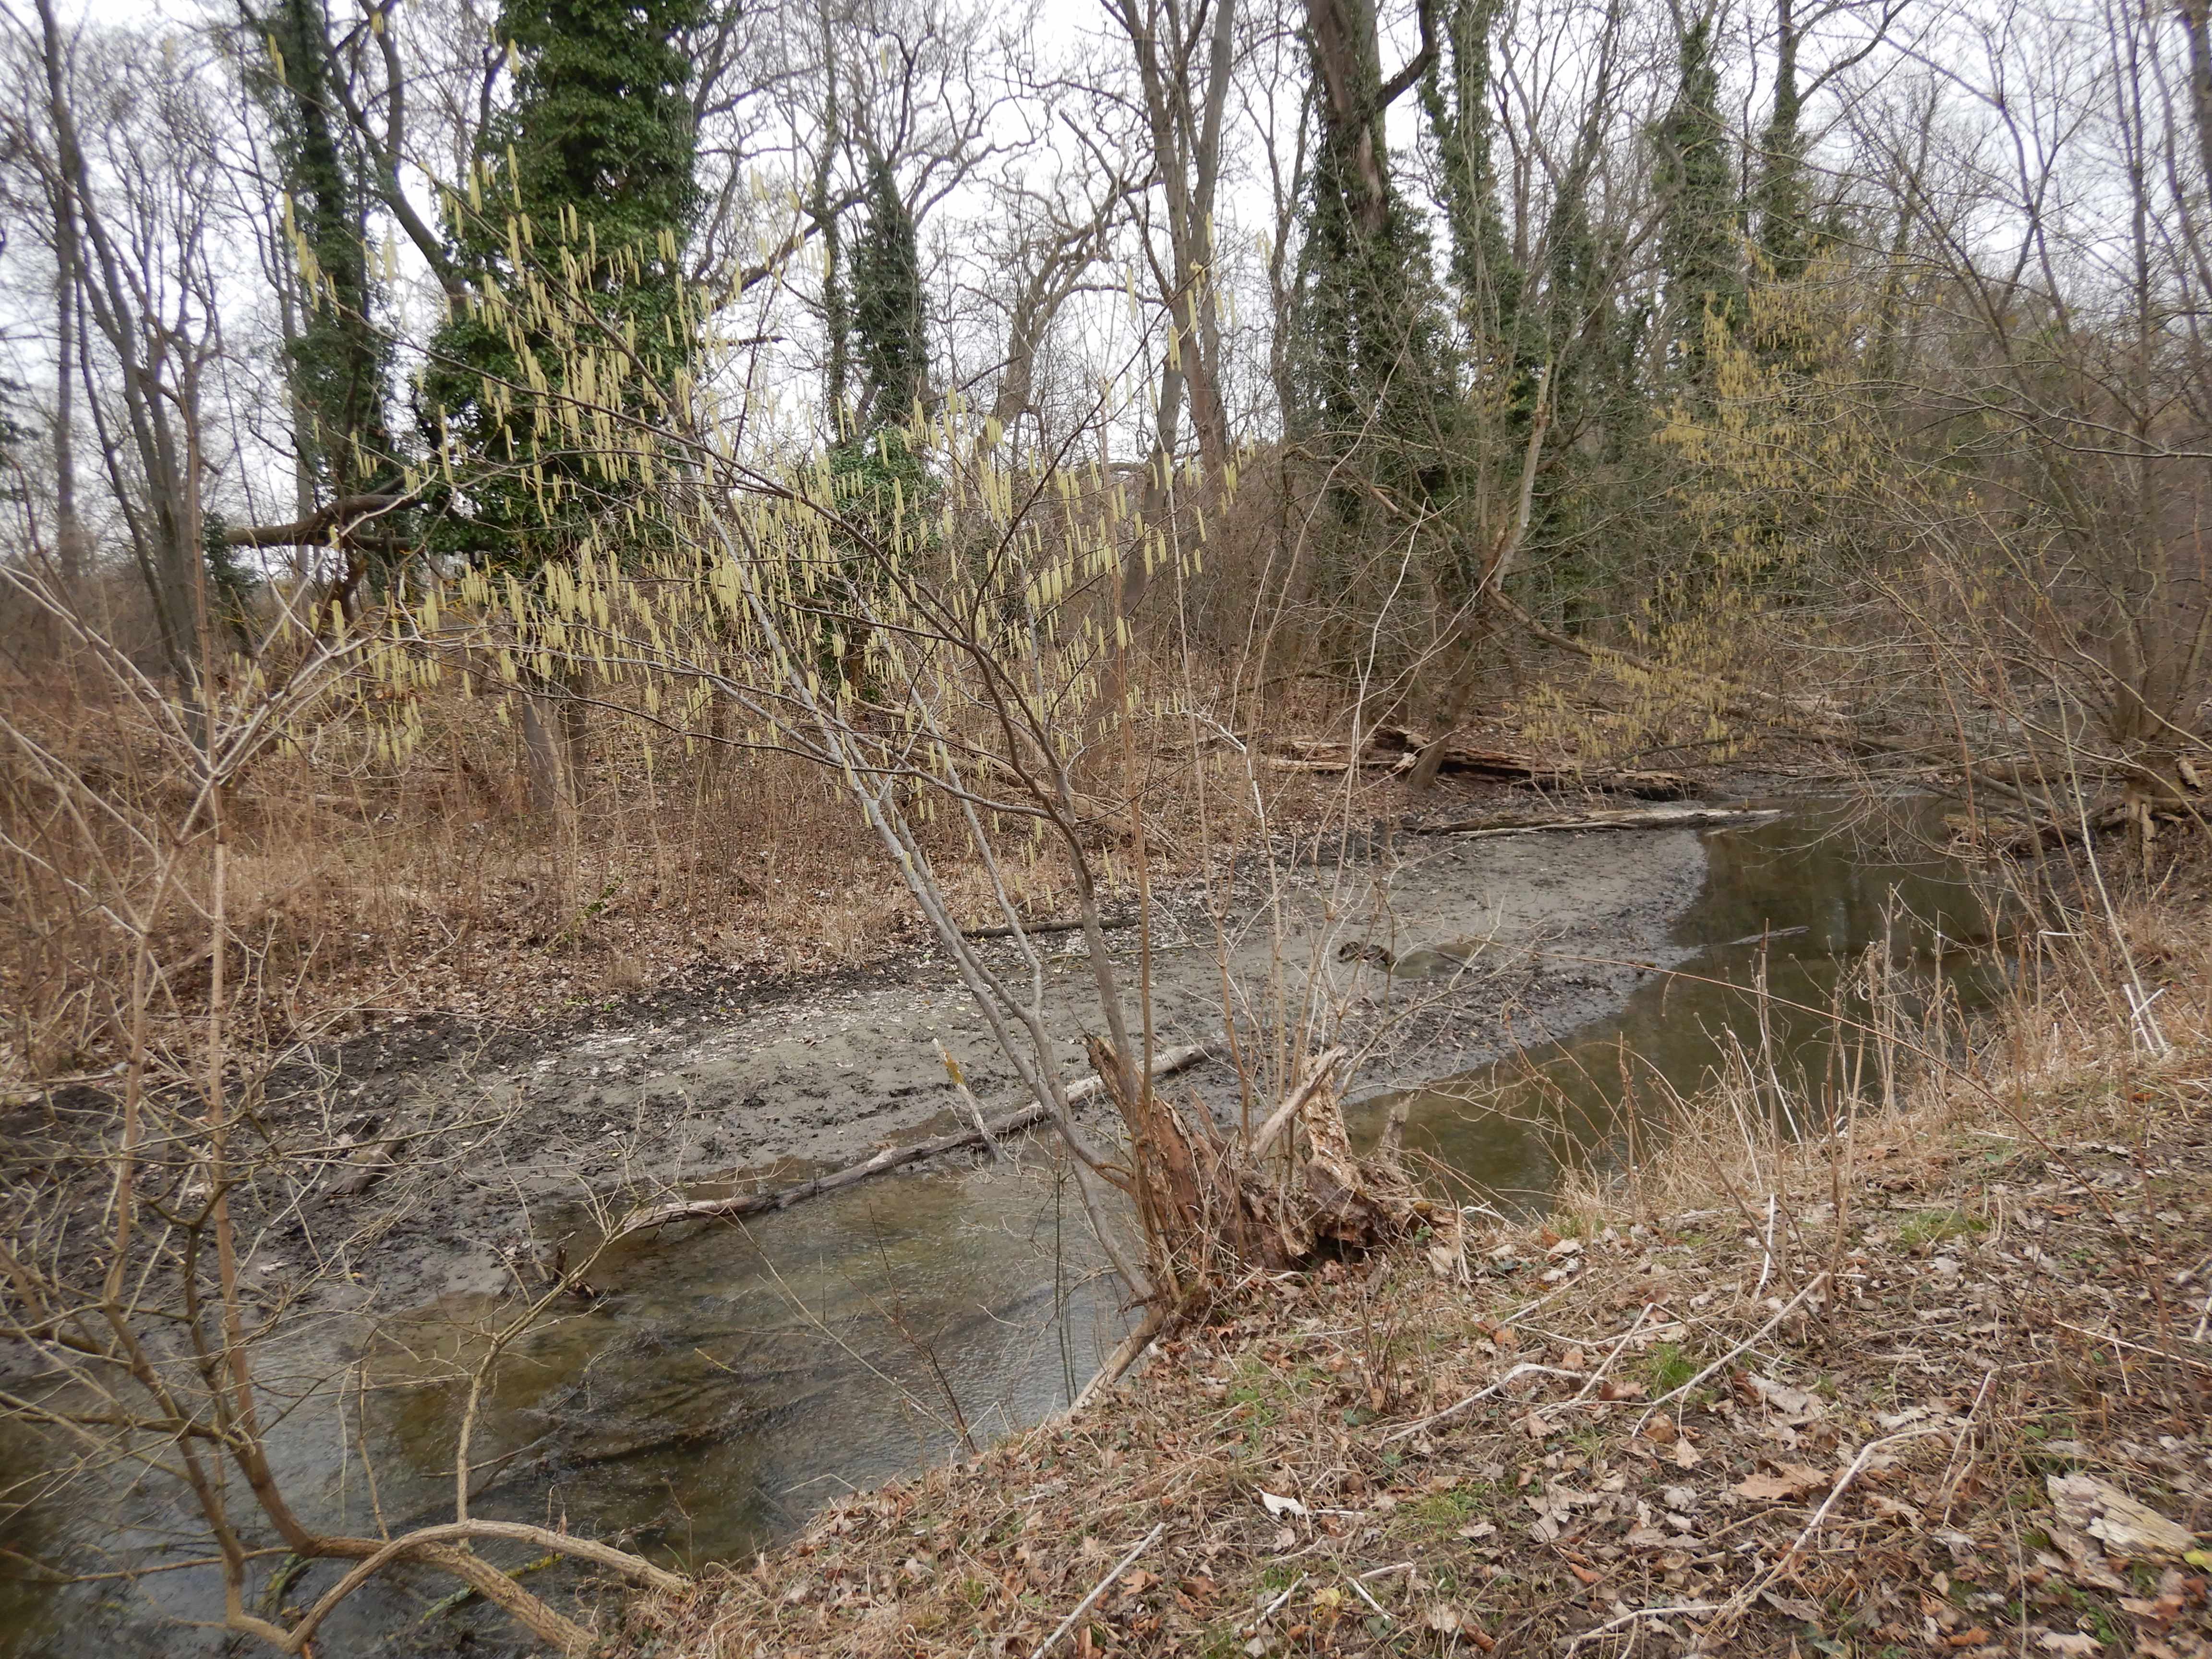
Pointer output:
x,y
1793,905
724,1382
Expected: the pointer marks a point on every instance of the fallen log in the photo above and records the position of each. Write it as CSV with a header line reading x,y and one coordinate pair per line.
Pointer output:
x,y
890,1157
1653,817
1392,750
1070,926
1991,835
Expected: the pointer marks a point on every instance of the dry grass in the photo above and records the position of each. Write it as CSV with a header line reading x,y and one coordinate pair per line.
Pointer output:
x,y
1894,1422
367,880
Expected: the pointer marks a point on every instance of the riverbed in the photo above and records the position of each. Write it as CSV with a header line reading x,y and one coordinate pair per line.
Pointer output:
x,y
720,1382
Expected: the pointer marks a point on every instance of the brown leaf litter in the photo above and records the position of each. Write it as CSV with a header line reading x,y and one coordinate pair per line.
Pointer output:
x,y
1966,1417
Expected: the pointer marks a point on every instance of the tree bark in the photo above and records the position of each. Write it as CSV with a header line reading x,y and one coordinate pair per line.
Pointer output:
x,y
1185,124
68,532
2197,23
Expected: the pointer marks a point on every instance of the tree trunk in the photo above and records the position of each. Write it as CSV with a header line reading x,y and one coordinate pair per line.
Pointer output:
x,y
2197,23
68,532
157,398
548,797
1185,127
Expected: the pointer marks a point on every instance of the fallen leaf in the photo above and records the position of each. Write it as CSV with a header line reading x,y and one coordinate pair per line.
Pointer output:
x,y
1687,1456
1279,1506
2085,1561
1794,1405
2068,1644
1443,1620
2128,1528
1795,1605
1791,1480
1969,1639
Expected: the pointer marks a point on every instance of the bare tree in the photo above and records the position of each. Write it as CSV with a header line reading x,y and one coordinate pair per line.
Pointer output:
x,y
1184,64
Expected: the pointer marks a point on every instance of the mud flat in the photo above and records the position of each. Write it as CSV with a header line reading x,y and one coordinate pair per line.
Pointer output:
x,y
722,1383
740,1083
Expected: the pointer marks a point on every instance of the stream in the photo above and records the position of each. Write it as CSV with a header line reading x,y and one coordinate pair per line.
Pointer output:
x,y
723,1383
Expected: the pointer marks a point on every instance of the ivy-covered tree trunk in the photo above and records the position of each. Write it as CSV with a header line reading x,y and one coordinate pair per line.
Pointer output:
x,y
879,479
890,350
1782,199
1698,241
588,176
339,361
584,185
1489,280
1371,366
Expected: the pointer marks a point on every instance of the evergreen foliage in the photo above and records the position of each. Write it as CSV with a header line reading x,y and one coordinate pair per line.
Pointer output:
x,y
888,347
1783,197
877,477
1485,273
13,433
339,361
1698,244
589,173
1371,365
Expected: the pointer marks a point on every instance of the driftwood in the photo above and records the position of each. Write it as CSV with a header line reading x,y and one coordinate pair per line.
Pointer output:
x,y
1295,1189
1394,749
1994,836
890,1157
1652,818
1005,931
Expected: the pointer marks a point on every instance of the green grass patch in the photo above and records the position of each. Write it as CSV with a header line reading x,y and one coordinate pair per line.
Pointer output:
x,y
1441,1514
1668,1367
1933,1226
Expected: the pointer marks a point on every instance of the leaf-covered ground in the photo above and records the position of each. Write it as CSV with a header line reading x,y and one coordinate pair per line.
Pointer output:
x,y
1949,1393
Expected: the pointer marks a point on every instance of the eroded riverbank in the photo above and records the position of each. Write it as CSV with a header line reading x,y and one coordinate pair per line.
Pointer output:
x,y
721,1383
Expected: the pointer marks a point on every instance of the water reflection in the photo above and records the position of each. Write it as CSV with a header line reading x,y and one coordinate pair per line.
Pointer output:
x,y
728,1381
1792,904
725,1382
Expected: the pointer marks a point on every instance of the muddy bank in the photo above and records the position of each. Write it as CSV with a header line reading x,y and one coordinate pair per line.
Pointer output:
x,y
1908,1423
720,1384
497,1139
